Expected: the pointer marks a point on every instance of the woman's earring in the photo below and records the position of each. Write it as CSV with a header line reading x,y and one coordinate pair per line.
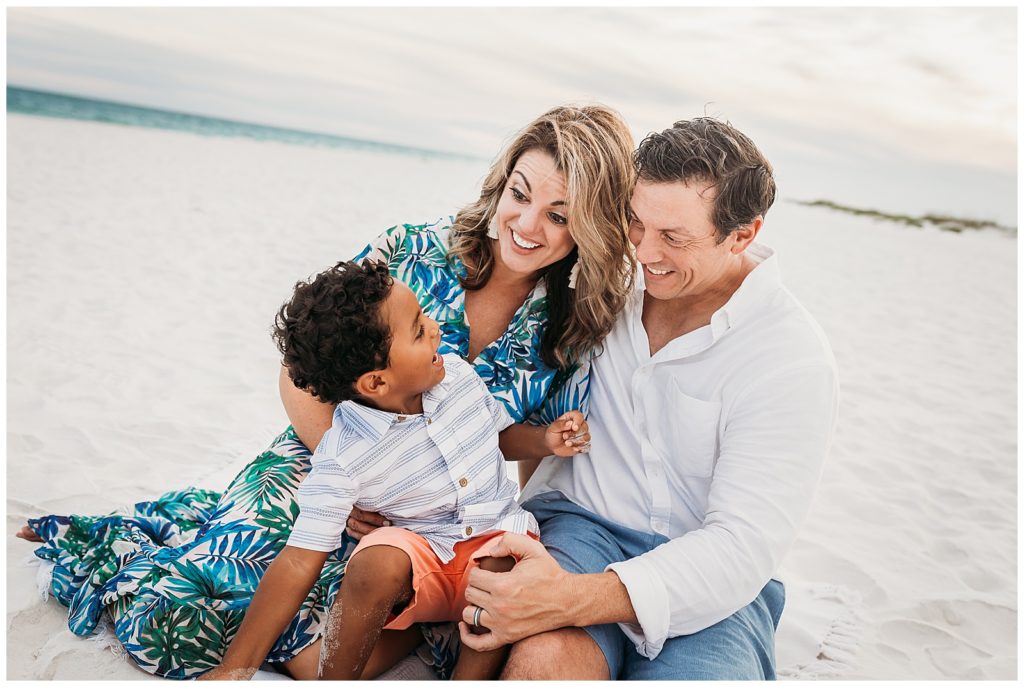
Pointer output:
x,y
574,273
492,228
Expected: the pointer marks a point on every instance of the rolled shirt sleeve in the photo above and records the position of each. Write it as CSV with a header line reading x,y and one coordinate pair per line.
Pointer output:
x,y
773,448
325,500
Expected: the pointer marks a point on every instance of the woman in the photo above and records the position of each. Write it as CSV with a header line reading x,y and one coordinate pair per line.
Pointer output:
x,y
539,265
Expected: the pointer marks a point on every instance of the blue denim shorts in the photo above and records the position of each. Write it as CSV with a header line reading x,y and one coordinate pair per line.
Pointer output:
x,y
740,647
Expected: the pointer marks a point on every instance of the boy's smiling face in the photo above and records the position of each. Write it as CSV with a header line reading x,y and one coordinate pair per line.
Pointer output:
x,y
414,365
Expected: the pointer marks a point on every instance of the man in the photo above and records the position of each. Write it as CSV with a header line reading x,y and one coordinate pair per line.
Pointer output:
x,y
713,405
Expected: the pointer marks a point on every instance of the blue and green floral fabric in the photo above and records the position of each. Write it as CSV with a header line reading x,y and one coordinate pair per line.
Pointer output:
x,y
176,575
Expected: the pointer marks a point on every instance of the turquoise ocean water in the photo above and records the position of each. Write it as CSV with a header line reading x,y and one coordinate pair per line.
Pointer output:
x,y
47,104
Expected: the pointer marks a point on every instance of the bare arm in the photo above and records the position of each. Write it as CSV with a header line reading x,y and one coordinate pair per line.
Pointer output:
x,y
566,436
280,594
309,416
523,442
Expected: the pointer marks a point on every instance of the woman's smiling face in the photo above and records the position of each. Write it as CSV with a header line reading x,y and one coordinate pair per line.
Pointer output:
x,y
531,216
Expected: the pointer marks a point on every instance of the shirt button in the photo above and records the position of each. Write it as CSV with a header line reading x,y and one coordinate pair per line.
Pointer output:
x,y
469,531
429,420
463,482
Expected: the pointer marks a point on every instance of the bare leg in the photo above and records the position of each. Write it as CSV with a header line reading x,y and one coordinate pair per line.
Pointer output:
x,y
305,664
565,654
392,647
483,665
377,579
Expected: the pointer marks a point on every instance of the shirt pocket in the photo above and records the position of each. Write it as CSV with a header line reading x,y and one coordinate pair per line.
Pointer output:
x,y
686,432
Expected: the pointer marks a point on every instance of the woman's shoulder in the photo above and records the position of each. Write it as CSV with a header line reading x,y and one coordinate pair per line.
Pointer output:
x,y
428,235
411,244
424,243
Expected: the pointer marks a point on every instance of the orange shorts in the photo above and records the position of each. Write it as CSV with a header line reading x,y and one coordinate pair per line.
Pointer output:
x,y
439,589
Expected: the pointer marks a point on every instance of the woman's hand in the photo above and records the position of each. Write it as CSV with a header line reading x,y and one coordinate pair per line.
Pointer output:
x,y
568,435
361,522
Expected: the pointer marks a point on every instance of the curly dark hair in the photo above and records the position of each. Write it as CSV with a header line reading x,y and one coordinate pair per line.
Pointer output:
x,y
707,149
332,331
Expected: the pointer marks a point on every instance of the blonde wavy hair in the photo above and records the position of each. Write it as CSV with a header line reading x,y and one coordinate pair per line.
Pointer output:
x,y
592,148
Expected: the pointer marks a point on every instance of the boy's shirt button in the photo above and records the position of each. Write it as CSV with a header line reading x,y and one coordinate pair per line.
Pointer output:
x,y
429,420
463,482
469,530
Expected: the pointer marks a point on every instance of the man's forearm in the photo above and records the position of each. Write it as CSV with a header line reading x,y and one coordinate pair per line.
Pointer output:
x,y
597,599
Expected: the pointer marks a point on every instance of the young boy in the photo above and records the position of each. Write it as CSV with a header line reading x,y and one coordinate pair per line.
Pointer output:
x,y
415,438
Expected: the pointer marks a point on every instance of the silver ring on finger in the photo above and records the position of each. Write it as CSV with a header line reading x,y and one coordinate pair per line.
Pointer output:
x,y
476,616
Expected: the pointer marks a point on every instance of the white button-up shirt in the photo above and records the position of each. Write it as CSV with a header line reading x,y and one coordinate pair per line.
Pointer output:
x,y
439,474
716,442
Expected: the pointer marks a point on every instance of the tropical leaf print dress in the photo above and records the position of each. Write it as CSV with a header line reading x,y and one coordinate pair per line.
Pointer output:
x,y
176,575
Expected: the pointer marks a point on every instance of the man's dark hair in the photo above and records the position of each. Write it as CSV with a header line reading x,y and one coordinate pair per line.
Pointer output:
x,y
714,152
332,331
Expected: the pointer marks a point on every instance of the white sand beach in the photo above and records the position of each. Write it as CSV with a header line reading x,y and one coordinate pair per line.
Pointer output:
x,y
144,268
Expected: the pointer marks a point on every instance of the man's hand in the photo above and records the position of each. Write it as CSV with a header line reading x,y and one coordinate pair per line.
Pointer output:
x,y
531,598
568,435
361,522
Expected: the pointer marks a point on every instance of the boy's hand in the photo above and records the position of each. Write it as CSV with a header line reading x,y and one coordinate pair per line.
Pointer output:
x,y
568,435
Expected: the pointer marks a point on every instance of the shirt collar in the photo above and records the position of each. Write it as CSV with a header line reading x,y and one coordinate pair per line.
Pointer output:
x,y
372,423
435,395
762,281
369,423
536,304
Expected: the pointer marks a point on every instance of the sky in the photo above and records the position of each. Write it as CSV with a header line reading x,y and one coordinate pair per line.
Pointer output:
x,y
845,92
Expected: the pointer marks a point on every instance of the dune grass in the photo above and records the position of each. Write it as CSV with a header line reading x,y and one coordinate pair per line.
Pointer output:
x,y
943,222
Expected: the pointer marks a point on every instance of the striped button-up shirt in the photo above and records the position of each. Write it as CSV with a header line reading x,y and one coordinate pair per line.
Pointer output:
x,y
439,474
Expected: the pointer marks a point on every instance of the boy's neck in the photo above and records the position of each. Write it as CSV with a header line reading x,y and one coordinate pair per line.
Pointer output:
x,y
409,406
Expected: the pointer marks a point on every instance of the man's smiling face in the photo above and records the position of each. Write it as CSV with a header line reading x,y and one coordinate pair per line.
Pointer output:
x,y
675,239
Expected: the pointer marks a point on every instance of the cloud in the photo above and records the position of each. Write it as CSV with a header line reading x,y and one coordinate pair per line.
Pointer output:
x,y
930,83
